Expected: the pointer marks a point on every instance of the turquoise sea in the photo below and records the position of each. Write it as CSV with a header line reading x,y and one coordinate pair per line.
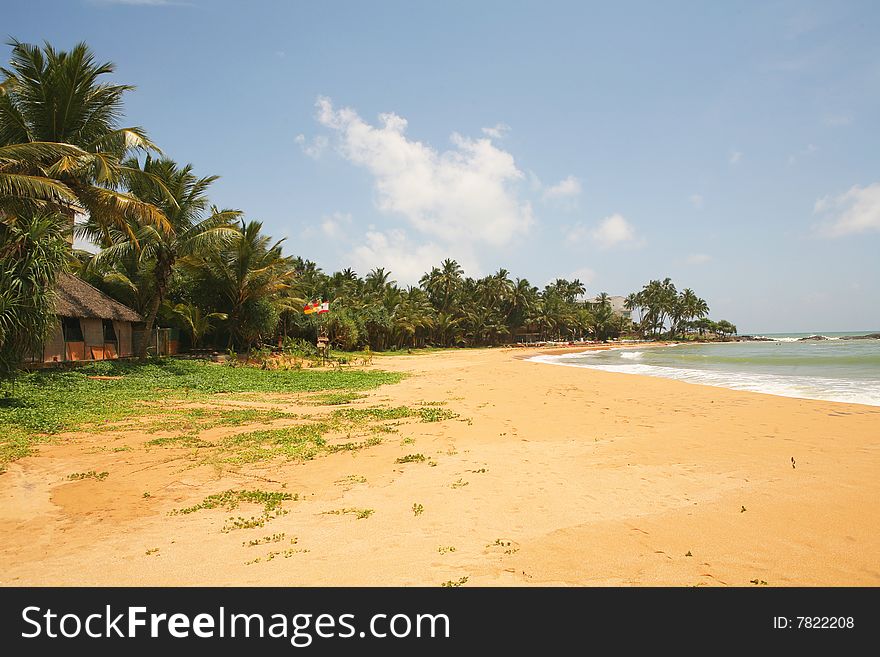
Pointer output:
x,y
833,369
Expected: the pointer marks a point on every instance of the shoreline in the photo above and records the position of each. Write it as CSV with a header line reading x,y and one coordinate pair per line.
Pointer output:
x,y
791,385
560,351
548,476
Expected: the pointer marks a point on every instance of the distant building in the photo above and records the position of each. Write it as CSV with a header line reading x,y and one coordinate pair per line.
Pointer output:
x,y
91,325
618,305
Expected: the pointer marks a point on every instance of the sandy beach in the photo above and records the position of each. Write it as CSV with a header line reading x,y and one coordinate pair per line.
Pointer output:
x,y
548,476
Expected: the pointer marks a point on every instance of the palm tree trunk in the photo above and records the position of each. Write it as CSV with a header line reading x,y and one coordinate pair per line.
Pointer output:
x,y
70,215
163,273
148,329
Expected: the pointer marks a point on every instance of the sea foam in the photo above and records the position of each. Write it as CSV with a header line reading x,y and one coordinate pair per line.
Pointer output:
x,y
803,387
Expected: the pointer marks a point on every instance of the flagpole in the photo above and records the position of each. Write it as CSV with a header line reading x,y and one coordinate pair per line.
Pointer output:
x,y
322,341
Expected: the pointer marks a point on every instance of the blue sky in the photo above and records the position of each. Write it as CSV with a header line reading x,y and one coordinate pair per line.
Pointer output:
x,y
731,146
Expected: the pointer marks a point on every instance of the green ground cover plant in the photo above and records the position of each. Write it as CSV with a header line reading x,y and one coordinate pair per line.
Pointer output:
x,y
49,402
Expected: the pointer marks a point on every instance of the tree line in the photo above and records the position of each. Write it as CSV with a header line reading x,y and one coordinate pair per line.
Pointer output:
x,y
69,169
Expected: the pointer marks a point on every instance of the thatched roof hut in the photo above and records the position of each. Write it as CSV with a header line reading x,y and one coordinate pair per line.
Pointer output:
x,y
76,298
91,325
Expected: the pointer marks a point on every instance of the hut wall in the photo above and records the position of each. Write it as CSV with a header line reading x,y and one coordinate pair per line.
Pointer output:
x,y
53,351
123,334
93,333
153,340
76,350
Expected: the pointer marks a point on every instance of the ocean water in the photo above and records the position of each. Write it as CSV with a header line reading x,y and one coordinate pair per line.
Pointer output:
x,y
835,369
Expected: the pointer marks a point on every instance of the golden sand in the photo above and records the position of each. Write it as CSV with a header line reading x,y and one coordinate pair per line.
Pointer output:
x,y
550,476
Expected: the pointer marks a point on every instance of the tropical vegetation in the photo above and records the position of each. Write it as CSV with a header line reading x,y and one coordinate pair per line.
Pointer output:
x,y
68,168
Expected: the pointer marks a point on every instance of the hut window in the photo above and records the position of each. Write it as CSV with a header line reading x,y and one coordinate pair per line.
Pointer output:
x,y
72,329
109,332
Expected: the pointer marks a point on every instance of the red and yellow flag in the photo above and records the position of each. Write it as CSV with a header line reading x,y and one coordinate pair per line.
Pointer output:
x,y
316,307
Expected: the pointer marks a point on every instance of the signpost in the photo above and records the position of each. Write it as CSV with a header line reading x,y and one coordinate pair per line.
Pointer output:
x,y
323,345
323,342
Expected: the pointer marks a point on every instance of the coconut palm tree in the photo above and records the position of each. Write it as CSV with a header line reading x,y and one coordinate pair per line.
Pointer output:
x,y
250,276
444,283
194,228
198,323
632,302
523,298
51,96
377,280
688,306
569,291
447,329
309,281
603,322
343,285
413,317
659,300
25,185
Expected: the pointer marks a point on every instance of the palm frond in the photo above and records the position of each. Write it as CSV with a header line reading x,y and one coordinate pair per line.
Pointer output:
x,y
121,280
36,188
115,252
122,141
211,239
110,205
134,175
38,151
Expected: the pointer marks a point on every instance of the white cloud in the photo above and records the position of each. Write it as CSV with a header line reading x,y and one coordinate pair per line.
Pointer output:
x,y
336,225
406,260
614,230
314,148
697,259
735,157
578,232
585,275
854,211
467,194
696,200
565,189
535,183
498,131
